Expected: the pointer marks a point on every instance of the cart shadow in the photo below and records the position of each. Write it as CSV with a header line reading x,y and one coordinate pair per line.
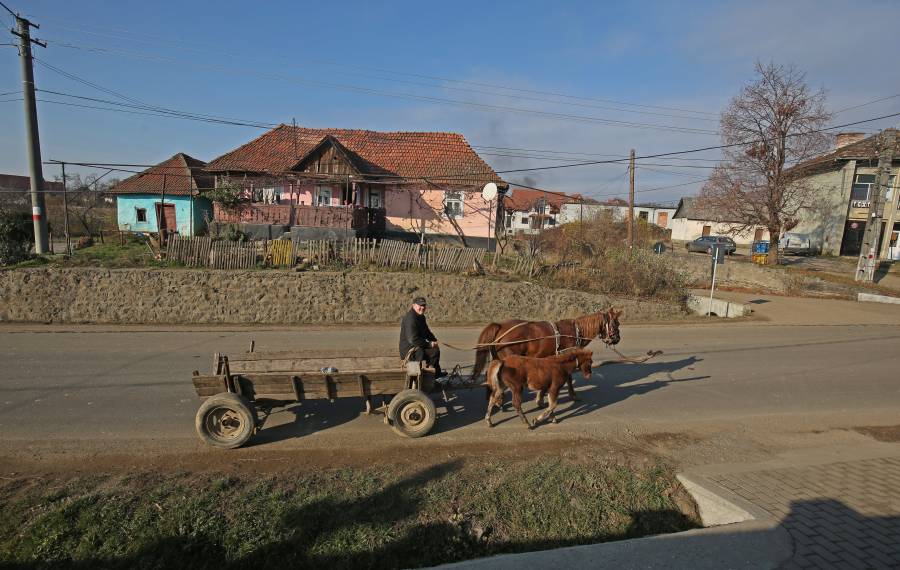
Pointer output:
x,y
609,384
299,419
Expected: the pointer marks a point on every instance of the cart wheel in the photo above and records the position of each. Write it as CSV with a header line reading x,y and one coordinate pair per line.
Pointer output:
x,y
411,413
226,420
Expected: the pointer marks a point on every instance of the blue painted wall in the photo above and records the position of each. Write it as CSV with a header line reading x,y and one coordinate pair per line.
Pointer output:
x,y
127,205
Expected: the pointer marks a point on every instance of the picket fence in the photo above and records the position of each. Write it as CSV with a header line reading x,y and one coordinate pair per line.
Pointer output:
x,y
203,252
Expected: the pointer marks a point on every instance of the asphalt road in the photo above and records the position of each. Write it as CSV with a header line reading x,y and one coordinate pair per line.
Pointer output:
x,y
718,389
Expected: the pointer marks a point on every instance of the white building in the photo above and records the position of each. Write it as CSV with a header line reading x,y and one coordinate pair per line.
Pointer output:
x,y
532,211
651,213
688,223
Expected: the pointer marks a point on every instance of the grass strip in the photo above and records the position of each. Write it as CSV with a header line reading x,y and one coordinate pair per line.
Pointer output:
x,y
347,518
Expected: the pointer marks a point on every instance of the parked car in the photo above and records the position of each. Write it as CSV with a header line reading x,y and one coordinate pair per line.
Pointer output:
x,y
706,243
798,244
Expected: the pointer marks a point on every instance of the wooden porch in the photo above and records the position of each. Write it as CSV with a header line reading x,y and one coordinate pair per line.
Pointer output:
x,y
369,220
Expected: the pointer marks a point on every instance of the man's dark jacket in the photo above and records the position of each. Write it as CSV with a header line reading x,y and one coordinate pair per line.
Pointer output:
x,y
414,332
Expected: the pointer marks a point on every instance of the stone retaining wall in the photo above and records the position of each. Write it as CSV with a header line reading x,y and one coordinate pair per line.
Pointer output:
x,y
739,274
159,296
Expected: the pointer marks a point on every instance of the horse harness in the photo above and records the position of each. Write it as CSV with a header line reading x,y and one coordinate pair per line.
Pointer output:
x,y
557,336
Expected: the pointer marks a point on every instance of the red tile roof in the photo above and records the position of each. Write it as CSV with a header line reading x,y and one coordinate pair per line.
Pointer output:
x,y
182,174
524,199
23,183
444,158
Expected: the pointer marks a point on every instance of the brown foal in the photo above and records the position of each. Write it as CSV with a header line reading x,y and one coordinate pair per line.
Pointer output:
x,y
542,374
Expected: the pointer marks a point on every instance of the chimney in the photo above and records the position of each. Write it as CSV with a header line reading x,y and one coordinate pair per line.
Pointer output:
x,y
843,139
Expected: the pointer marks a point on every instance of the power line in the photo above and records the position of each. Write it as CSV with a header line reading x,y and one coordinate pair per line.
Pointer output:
x,y
167,42
165,111
179,114
425,98
13,14
226,120
716,147
867,103
137,102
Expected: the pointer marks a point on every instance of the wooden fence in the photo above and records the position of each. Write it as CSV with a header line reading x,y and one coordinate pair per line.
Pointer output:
x,y
203,252
193,252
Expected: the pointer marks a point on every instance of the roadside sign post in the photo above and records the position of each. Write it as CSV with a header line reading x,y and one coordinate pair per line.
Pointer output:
x,y
718,256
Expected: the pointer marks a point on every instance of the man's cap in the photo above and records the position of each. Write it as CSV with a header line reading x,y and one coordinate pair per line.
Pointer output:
x,y
419,301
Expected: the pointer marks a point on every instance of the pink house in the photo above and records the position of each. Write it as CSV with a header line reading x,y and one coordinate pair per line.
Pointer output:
x,y
349,182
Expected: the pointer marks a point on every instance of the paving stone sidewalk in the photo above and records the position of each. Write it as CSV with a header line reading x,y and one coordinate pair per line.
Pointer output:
x,y
839,515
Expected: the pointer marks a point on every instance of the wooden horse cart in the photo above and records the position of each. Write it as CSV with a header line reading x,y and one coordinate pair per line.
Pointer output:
x,y
240,386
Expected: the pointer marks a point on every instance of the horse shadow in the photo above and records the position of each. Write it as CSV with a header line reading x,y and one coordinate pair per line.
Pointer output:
x,y
624,384
609,384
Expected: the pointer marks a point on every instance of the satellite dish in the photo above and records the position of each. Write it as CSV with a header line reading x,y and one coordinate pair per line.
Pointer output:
x,y
489,192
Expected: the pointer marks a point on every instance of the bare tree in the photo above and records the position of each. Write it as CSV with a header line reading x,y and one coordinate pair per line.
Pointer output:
x,y
774,122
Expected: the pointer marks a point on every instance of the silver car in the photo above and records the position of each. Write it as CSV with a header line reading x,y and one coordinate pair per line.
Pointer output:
x,y
706,243
798,244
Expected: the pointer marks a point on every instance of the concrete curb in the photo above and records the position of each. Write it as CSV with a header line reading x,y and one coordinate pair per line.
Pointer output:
x,y
753,544
872,298
718,307
738,535
715,509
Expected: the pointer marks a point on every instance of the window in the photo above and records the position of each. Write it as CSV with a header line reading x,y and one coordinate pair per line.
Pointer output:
x,y
862,187
268,194
525,220
140,214
643,215
453,204
375,199
323,196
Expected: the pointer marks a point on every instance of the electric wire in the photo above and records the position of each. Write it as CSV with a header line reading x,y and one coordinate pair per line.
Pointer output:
x,y
427,98
866,103
160,40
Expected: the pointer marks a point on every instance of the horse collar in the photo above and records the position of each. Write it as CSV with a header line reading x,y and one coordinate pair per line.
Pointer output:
x,y
555,335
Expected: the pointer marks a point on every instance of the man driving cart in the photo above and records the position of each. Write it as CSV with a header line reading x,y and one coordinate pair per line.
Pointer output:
x,y
417,342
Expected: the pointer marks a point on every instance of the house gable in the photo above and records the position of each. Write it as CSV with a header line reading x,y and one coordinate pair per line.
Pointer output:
x,y
330,157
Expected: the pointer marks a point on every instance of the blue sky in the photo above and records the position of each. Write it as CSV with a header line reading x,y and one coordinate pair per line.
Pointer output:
x,y
371,64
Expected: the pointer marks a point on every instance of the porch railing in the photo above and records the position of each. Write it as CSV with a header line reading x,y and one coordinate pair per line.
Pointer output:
x,y
350,217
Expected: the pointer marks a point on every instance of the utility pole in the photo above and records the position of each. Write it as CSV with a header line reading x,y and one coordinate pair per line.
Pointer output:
x,y
66,209
631,203
38,210
868,253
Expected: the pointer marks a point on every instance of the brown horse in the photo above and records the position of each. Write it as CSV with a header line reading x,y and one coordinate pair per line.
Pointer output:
x,y
543,374
543,338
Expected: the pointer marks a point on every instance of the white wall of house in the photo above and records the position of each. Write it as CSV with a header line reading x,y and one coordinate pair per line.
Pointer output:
x,y
685,229
522,222
824,220
574,212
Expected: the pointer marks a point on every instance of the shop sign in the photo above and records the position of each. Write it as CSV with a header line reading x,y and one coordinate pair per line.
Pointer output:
x,y
859,203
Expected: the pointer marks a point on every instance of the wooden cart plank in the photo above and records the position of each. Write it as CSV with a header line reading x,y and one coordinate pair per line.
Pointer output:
x,y
308,365
311,386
